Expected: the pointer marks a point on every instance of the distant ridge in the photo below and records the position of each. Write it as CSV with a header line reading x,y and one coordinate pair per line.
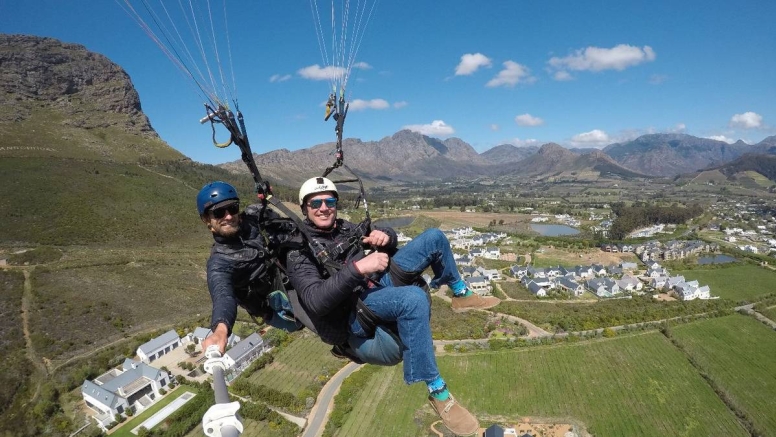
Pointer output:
x,y
673,154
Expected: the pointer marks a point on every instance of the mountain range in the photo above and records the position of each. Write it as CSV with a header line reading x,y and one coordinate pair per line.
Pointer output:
x,y
410,156
83,106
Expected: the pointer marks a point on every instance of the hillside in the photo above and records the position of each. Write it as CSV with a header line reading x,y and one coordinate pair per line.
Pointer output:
x,y
78,158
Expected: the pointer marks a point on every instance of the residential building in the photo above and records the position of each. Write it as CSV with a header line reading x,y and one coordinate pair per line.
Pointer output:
x,y
153,349
135,385
241,355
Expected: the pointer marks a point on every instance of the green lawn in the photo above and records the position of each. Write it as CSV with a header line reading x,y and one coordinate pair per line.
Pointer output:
x,y
737,283
126,428
638,385
738,354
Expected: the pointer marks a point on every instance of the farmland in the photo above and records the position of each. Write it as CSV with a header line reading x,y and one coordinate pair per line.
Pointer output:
x,y
301,366
737,353
737,283
637,385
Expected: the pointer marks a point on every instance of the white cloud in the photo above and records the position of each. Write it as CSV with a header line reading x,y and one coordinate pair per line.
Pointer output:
x,y
617,58
362,66
679,128
360,105
400,104
436,128
747,120
279,78
528,120
517,142
594,138
315,72
494,127
512,74
722,138
470,63
562,76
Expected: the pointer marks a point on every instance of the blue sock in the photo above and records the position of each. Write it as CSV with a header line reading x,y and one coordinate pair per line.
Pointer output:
x,y
438,389
460,289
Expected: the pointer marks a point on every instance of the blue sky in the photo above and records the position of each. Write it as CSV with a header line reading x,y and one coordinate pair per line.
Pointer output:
x,y
578,73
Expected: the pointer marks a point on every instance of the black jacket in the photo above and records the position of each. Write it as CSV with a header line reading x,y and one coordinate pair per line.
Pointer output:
x,y
328,300
241,271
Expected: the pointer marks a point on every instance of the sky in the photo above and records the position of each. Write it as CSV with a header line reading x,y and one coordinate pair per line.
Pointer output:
x,y
577,73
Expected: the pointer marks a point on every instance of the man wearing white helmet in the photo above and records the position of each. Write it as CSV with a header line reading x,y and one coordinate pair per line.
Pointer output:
x,y
339,283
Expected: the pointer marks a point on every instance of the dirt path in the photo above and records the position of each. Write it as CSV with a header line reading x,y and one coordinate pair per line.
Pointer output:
x,y
26,305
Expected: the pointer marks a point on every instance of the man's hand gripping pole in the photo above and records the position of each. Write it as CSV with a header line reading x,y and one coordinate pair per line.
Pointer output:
x,y
220,420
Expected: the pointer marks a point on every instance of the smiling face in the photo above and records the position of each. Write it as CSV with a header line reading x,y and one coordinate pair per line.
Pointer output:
x,y
324,216
223,221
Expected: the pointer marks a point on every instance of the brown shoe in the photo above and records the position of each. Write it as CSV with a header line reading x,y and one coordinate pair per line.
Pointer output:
x,y
455,417
475,301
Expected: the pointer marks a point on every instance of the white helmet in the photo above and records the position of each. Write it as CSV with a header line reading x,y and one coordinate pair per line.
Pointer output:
x,y
315,186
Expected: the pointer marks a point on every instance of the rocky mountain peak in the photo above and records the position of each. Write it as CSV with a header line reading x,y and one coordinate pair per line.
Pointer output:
x,y
85,86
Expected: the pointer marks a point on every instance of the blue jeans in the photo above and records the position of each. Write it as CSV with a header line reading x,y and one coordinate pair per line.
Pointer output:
x,y
429,249
408,306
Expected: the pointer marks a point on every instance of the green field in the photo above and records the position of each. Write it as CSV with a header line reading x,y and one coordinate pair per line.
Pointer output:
x,y
639,385
126,428
738,354
301,368
738,283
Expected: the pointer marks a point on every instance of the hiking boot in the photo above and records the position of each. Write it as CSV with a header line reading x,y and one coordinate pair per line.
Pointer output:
x,y
455,417
474,301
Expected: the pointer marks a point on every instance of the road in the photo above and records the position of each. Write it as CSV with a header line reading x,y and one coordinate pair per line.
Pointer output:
x,y
320,412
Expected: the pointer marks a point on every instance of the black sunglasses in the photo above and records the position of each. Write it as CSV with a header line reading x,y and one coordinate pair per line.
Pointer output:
x,y
232,209
331,202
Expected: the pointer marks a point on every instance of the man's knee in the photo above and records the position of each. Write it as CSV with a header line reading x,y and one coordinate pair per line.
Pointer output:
x,y
383,349
416,299
435,234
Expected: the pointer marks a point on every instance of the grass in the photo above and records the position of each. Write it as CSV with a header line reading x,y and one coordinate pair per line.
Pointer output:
x,y
301,368
607,313
126,428
637,385
113,293
14,367
737,353
448,325
742,282
516,290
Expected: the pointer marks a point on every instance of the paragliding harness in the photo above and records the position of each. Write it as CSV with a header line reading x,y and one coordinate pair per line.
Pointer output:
x,y
284,301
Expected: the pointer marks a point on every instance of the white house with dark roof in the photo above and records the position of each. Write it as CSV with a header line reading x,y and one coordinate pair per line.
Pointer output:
x,y
489,274
479,285
536,289
159,346
135,385
571,285
241,355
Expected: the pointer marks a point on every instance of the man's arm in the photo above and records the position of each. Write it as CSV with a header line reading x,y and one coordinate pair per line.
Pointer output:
x,y
219,281
320,296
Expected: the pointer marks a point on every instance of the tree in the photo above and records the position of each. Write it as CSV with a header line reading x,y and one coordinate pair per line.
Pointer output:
x,y
190,349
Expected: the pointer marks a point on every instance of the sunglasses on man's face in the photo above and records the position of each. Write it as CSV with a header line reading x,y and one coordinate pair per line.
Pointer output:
x,y
331,202
220,213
